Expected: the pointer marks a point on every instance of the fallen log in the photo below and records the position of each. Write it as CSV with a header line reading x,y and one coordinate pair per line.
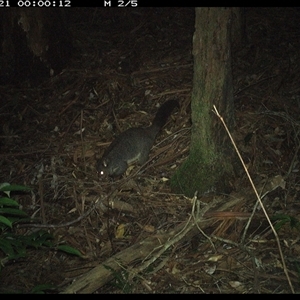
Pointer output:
x,y
151,248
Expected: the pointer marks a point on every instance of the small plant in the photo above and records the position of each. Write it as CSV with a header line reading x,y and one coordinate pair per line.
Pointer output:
x,y
14,245
121,280
282,219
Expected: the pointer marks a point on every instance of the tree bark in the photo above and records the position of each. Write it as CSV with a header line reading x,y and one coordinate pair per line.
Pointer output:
x,y
210,164
34,42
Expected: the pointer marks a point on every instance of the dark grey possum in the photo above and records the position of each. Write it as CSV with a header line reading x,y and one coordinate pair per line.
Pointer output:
x,y
134,144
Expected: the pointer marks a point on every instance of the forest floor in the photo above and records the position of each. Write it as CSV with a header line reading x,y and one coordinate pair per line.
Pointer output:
x,y
125,63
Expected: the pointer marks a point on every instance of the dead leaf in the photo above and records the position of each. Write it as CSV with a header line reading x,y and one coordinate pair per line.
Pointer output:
x,y
120,231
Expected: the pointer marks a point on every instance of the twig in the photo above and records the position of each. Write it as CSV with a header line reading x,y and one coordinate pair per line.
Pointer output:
x,y
41,193
64,133
190,223
295,157
196,216
82,140
258,197
63,224
87,213
254,83
161,69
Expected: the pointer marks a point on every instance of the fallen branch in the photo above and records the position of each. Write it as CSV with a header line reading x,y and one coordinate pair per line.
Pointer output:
x,y
150,249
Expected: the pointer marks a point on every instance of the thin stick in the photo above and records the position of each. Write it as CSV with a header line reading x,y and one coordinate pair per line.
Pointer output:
x,y
83,149
258,198
88,212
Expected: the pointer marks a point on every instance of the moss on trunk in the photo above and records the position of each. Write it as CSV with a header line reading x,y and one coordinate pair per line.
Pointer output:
x,y
209,165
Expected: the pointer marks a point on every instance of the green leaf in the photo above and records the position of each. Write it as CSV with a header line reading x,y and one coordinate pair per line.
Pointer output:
x,y
41,235
12,211
7,248
2,186
4,201
5,221
41,238
69,250
282,219
16,244
14,187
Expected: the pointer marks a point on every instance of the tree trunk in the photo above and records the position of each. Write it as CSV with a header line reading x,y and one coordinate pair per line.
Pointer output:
x,y
211,159
33,43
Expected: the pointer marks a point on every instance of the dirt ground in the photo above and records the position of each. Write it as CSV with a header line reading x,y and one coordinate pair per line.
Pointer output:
x,y
126,62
